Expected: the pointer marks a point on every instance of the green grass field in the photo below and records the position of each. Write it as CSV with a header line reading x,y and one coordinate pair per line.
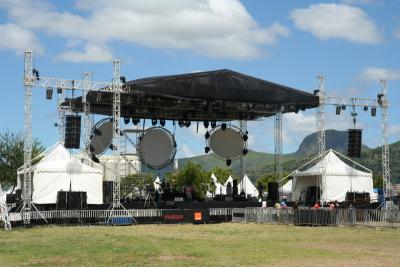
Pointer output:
x,y
200,245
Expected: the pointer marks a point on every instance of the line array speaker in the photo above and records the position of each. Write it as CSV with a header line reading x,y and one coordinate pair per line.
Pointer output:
x,y
273,191
354,143
72,131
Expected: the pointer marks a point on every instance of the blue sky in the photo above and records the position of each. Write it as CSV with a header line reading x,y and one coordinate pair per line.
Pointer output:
x,y
353,43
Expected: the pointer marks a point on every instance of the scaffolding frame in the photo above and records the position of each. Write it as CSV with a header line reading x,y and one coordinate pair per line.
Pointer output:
x,y
32,79
383,103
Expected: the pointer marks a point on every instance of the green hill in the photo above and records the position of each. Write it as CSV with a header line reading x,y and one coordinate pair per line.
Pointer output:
x,y
258,163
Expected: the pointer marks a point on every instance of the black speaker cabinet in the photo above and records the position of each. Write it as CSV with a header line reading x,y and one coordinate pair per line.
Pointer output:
x,y
273,191
107,191
74,201
61,203
72,131
354,143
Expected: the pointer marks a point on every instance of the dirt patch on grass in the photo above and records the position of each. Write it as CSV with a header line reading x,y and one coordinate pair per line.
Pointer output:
x,y
51,261
165,258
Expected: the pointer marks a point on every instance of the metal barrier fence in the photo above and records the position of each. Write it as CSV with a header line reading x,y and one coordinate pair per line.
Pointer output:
x,y
86,215
319,217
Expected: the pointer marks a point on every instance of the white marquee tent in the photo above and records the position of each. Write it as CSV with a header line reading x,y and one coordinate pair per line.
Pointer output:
x,y
219,188
60,170
338,178
248,187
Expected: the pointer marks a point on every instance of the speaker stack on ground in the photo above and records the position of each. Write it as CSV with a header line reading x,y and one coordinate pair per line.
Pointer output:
x,y
71,200
61,203
358,198
107,191
354,143
72,131
273,193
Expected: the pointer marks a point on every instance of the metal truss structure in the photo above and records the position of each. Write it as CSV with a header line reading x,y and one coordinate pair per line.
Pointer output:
x,y
32,79
278,144
243,128
383,103
320,116
4,216
29,82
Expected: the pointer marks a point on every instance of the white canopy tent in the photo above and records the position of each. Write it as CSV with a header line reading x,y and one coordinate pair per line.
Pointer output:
x,y
337,179
248,187
219,188
4,193
59,170
157,183
286,188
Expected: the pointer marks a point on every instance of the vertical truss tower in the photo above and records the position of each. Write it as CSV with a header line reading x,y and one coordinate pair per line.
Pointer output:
x,y
278,144
384,103
28,83
117,88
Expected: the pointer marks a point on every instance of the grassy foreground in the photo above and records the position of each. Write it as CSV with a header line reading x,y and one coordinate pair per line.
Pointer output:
x,y
200,245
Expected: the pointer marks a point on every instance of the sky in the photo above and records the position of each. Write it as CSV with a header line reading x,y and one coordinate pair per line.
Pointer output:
x,y
353,43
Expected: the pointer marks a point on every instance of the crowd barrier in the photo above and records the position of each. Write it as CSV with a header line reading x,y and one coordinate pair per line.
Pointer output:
x,y
319,217
122,217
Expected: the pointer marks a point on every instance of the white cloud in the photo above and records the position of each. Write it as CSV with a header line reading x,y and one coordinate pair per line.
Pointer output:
x,y
91,53
16,38
327,21
376,74
362,2
397,33
186,152
394,130
216,28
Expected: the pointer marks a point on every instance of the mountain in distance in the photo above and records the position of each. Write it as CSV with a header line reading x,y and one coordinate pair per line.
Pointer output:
x,y
334,139
258,163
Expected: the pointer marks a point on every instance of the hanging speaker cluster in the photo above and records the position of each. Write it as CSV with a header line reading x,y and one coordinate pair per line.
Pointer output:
x,y
227,142
354,143
157,147
72,137
101,137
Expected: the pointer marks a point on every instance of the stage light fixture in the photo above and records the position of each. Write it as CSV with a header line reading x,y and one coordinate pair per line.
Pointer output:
x,y
343,107
245,151
135,121
95,159
365,108
228,162
380,99
112,147
35,72
49,93
97,132
338,109
206,124
223,126
122,79
98,97
187,123
126,120
153,122
373,111
213,124
207,135
59,90
207,149
162,123
181,123
245,137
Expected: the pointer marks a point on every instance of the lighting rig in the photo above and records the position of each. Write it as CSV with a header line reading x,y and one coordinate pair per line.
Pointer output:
x,y
33,79
341,103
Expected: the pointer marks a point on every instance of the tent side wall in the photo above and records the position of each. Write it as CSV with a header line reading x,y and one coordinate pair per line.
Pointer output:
x,y
300,184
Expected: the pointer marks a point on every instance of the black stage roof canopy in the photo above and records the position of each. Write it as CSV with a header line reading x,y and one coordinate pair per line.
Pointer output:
x,y
212,95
